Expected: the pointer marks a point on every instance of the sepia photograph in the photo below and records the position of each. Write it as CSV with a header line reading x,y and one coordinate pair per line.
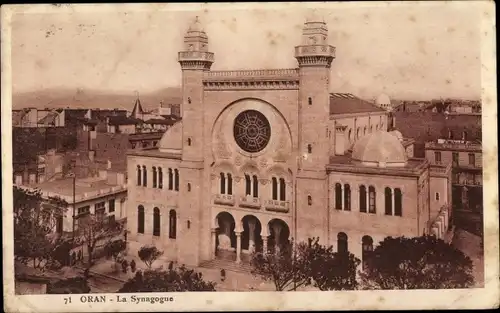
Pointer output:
x,y
322,148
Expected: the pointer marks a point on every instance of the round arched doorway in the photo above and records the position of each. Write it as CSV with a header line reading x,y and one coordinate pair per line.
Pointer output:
x,y
251,240
226,238
279,234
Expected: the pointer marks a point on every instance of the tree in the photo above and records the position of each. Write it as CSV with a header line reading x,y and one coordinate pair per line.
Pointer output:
x,y
94,228
149,254
34,224
174,280
74,285
417,263
329,270
113,248
284,267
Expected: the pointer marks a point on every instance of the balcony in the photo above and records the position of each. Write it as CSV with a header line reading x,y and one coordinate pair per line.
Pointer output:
x,y
224,199
250,202
277,206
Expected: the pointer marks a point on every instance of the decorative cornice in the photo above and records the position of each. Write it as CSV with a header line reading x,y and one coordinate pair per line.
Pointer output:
x,y
315,55
252,85
196,60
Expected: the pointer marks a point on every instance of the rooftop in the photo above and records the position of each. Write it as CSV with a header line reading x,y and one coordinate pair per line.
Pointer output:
x,y
345,103
123,120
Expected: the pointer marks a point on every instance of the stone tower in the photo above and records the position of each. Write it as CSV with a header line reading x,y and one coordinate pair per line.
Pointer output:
x,y
314,57
194,61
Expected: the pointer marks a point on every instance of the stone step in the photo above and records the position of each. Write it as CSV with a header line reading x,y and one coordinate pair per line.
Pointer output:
x,y
227,265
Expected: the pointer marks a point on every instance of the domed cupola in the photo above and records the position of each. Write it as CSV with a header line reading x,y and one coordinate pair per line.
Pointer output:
x,y
380,149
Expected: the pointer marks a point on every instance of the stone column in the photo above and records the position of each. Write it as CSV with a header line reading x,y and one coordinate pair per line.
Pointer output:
x,y
342,197
214,243
251,235
367,194
393,201
238,247
264,245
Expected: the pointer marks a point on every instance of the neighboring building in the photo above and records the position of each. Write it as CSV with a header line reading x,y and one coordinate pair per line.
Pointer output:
x,y
145,140
104,195
32,117
384,102
263,156
466,159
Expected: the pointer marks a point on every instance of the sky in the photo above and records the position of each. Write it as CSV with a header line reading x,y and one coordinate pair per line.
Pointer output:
x,y
406,51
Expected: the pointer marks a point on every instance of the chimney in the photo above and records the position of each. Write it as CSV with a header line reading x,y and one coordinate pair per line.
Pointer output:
x,y
340,139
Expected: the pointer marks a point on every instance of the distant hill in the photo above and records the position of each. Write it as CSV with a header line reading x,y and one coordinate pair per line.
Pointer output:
x,y
62,98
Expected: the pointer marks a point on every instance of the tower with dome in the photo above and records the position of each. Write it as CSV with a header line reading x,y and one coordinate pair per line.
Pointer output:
x,y
262,156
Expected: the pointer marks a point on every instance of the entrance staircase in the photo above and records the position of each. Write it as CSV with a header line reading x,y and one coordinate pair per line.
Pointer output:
x,y
227,260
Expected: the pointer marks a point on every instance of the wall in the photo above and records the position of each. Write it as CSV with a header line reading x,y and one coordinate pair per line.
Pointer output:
x,y
112,147
357,224
370,121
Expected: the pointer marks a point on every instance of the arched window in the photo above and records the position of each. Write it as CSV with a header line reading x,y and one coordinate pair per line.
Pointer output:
x,y
350,135
282,189
156,222
274,183
160,178
309,148
309,200
138,175
398,202
176,174
248,185
155,177
255,187
376,127
229,184
342,243
144,176
170,179
189,141
362,199
367,245
310,101
372,196
172,221
347,197
222,183
358,131
388,201
338,196
140,219
189,186
364,131
450,134
371,129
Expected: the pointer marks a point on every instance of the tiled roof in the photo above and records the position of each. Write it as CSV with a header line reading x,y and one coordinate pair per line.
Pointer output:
x,y
342,103
49,119
17,117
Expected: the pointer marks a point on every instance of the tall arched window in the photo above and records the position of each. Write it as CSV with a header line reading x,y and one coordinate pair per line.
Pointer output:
x,y
282,189
160,178
248,185
170,179
362,199
338,196
138,175
140,219
309,148
309,200
155,177
364,131
372,196
172,221
156,222
144,176
274,184
222,183
189,141
358,132
350,135
229,184
388,201
347,197
367,245
310,101
255,186
176,184
342,243
398,202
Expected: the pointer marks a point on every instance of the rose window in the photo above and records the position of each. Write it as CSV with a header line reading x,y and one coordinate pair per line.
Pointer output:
x,y
252,131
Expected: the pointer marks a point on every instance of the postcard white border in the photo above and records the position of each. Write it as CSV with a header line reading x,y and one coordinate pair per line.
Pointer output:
x,y
487,297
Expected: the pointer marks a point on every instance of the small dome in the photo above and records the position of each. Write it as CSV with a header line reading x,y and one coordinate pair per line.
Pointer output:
x,y
380,149
383,100
398,134
196,26
171,141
